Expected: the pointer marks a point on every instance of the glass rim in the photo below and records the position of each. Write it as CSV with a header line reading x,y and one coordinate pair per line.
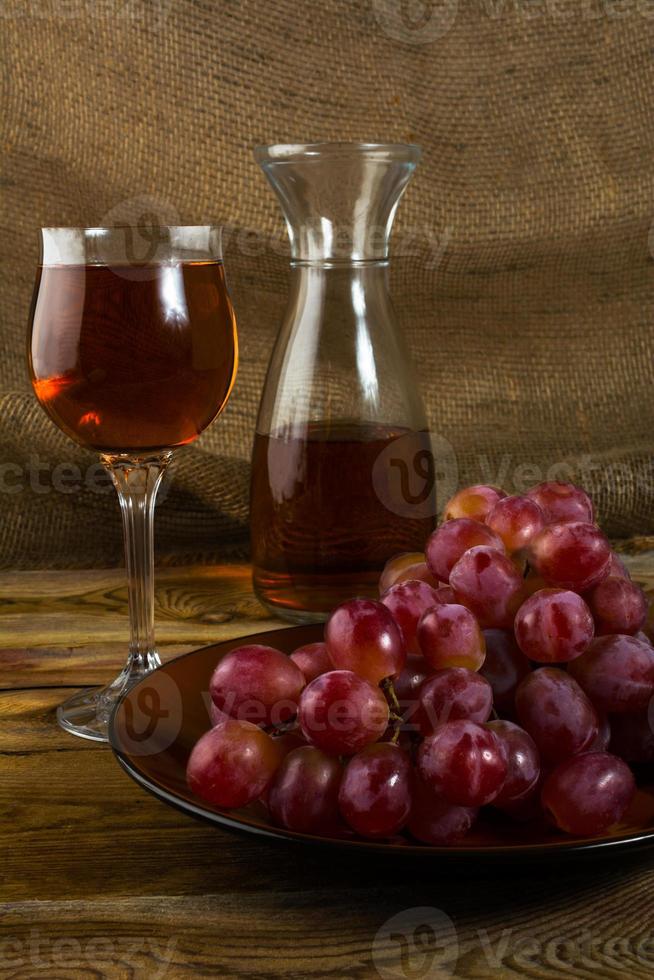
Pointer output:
x,y
293,152
130,244
102,229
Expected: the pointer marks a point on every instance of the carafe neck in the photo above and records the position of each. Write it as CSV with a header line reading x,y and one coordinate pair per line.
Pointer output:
x,y
339,199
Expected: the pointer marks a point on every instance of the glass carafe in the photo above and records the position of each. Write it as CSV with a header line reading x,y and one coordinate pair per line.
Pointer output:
x,y
342,472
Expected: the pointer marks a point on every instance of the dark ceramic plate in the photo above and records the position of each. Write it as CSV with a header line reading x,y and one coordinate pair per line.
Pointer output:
x,y
155,726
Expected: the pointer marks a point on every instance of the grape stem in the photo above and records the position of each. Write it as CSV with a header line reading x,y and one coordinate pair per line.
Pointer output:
x,y
391,696
395,714
286,726
396,722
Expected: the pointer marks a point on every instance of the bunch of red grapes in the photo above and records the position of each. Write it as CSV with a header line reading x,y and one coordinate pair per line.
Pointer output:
x,y
506,668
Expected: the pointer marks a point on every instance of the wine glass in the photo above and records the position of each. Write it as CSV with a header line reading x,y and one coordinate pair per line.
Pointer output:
x,y
132,357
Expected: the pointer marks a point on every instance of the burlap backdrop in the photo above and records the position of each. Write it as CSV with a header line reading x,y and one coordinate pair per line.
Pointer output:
x,y
526,284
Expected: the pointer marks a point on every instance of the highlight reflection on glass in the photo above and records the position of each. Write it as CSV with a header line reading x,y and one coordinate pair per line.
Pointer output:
x,y
132,359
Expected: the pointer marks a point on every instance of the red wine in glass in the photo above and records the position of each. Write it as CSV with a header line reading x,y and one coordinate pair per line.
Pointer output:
x,y
132,364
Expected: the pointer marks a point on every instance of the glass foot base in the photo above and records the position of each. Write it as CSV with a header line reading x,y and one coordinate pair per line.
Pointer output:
x,y
87,713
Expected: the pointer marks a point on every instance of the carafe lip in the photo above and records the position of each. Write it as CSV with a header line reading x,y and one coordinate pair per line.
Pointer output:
x,y
294,152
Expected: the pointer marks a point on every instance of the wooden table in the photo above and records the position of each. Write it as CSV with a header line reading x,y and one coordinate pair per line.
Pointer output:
x,y
99,879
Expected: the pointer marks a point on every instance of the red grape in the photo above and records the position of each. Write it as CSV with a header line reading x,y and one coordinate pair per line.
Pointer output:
x,y
632,737
407,601
601,742
216,716
289,740
285,743
562,503
557,714
375,793
408,565
504,667
449,636
312,659
232,764
618,605
617,567
433,821
572,556
489,584
517,520
451,540
522,759
420,572
258,684
304,794
362,636
553,626
464,762
617,673
587,794
407,688
453,694
409,682
341,712
532,583
525,808
475,502
444,595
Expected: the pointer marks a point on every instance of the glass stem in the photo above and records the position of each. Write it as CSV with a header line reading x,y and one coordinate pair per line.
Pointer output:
x,y
137,480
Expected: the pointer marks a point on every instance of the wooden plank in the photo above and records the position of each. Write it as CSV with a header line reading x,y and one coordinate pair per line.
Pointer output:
x,y
318,933
194,606
77,666
71,627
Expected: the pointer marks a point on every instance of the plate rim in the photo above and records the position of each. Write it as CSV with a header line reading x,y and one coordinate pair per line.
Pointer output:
x,y
632,840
